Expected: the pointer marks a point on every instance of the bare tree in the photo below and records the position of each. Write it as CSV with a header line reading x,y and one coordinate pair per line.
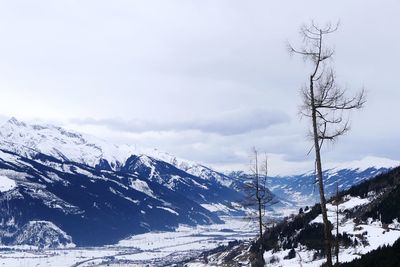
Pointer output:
x,y
257,194
325,103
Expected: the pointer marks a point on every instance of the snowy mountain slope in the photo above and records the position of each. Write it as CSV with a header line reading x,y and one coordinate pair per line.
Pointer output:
x,y
368,219
92,206
200,190
194,180
194,168
364,164
44,233
357,238
27,140
301,190
6,184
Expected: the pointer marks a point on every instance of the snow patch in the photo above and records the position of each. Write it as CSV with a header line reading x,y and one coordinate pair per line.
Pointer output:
x,y
143,187
6,184
168,209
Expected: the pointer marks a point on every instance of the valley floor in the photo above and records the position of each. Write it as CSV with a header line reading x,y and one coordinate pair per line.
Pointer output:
x,y
150,249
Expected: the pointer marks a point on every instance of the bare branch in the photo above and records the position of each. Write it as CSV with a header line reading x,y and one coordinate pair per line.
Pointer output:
x,y
325,103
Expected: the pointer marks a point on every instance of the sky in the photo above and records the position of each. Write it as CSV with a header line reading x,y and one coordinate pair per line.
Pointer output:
x,y
204,80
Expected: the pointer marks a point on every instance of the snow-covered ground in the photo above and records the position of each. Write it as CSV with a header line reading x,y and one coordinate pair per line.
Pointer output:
x,y
370,235
6,183
167,248
153,249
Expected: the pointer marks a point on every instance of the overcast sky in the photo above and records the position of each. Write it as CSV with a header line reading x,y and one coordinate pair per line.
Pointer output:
x,y
205,80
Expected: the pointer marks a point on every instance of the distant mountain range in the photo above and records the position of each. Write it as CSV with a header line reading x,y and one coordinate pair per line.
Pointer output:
x,y
302,190
63,188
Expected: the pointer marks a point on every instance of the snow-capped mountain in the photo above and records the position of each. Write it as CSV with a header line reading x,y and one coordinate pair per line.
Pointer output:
x,y
194,168
303,189
91,191
29,139
198,189
90,205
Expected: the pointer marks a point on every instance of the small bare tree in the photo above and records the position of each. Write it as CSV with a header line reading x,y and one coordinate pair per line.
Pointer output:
x,y
257,194
325,103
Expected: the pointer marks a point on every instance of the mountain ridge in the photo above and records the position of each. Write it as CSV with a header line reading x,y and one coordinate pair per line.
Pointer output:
x,y
70,180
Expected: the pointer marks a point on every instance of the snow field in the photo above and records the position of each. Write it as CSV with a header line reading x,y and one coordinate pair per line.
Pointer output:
x,y
372,231
138,250
6,183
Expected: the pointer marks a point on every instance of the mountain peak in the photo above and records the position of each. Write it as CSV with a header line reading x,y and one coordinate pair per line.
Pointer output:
x,y
365,163
23,138
15,121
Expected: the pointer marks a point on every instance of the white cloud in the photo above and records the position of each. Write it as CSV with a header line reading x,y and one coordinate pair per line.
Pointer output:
x,y
226,123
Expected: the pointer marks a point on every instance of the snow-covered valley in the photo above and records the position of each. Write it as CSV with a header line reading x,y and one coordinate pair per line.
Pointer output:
x,y
149,249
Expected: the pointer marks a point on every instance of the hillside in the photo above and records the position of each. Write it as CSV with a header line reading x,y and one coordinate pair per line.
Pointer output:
x,y
92,206
368,219
386,256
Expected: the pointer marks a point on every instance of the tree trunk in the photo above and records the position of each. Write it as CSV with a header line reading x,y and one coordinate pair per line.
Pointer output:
x,y
337,224
327,231
260,218
258,198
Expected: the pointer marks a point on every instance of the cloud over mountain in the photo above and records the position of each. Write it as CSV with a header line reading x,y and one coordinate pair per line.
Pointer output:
x,y
234,122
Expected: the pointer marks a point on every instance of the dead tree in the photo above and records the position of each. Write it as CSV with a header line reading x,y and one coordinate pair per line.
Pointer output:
x,y
325,103
257,194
